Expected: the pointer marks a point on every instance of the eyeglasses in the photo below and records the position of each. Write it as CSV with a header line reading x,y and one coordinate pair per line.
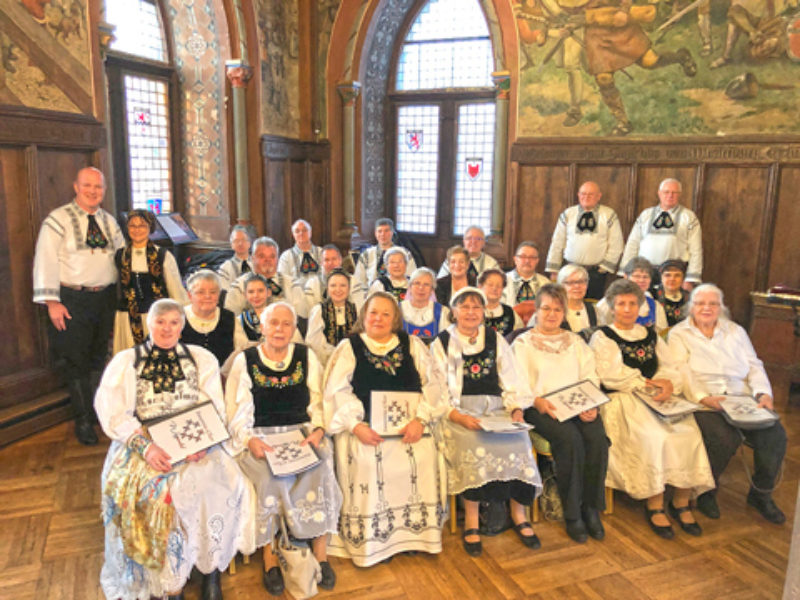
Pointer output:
x,y
527,257
576,282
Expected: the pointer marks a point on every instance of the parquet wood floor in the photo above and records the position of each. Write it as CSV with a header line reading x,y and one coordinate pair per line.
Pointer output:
x,y
51,543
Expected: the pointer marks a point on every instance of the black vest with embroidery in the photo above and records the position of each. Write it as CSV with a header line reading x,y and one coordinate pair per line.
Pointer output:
x,y
398,292
479,375
504,324
639,355
279,397
141,283
394,372
250,324
672,308
218,341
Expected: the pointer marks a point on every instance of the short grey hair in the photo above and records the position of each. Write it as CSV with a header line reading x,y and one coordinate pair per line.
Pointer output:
x,y
384,221
419,272
623,287
476,228
708,287
638,263
271,308
236,228
304,222
395,250
670,180
162,307
265,241
203,275
569,270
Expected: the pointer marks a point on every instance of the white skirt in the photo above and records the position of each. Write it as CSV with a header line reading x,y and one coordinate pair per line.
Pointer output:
x,y
647,453
214,509
393,499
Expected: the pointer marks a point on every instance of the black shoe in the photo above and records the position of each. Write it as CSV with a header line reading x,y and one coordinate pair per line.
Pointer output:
x,y
328,576
273,581
472,548
576,530
690,528
594,526
765,505
84,431
664,531
530,541
211,586
707,505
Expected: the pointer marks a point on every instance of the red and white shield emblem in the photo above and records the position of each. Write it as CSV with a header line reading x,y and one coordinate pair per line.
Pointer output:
x,y
474,168
414,139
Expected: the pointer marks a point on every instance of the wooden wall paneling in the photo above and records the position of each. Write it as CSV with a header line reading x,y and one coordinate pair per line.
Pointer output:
x,y
274,190
55,178
733,199
784,246
543,193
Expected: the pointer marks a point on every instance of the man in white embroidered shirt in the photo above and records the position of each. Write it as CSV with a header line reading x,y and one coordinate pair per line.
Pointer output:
x,y
668,231
587,234
524,282
74,275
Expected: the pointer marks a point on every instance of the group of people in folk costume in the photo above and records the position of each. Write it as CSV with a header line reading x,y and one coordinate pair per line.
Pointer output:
x,y
472,343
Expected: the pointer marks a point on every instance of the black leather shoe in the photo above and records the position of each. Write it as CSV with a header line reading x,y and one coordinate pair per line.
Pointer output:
x,y
211,586
273,581
664,531
707,505
530,541
472,548
576,530
328,576
690,528
594,526
84,431
765,505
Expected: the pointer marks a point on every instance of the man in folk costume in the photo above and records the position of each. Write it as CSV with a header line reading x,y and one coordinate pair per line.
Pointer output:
x,y
524,282
587,234
668,231
238,264
265,263
74,275
479,261
371,263
301,261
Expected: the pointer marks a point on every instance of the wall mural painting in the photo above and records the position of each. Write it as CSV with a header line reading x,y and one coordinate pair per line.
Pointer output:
x,y
676,67
58,29
280,70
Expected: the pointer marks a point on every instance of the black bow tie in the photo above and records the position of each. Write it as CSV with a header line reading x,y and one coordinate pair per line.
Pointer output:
x,y
587,222
525,292
381,268
308,264
471,270
663,221
274,288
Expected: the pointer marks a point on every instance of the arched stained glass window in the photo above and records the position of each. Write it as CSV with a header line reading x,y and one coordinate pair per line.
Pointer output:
x,y
444,121
137,28
139,100
448,46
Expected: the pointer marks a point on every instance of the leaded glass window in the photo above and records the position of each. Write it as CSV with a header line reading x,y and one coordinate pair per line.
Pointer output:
x,y
148,143
444,150
137,28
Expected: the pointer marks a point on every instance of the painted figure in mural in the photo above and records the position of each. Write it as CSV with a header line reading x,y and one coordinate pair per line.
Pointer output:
x,y
761,21
561,20
614,40
683,7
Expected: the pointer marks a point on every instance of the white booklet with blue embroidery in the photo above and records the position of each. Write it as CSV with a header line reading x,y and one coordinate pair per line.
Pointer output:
x,y
391,411
288,456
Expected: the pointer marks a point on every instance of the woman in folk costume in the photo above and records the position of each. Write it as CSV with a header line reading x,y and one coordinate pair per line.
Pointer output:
x,y
393,487
500,317
483,379
257,294
333,319
647,453
146,273
458,262
162,520
277,387
422,315
395,281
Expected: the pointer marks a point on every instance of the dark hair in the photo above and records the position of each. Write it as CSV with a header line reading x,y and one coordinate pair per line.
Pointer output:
x,y
332,247
251,277
527,244
384,221
673,264
334,272
145,215
488,273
